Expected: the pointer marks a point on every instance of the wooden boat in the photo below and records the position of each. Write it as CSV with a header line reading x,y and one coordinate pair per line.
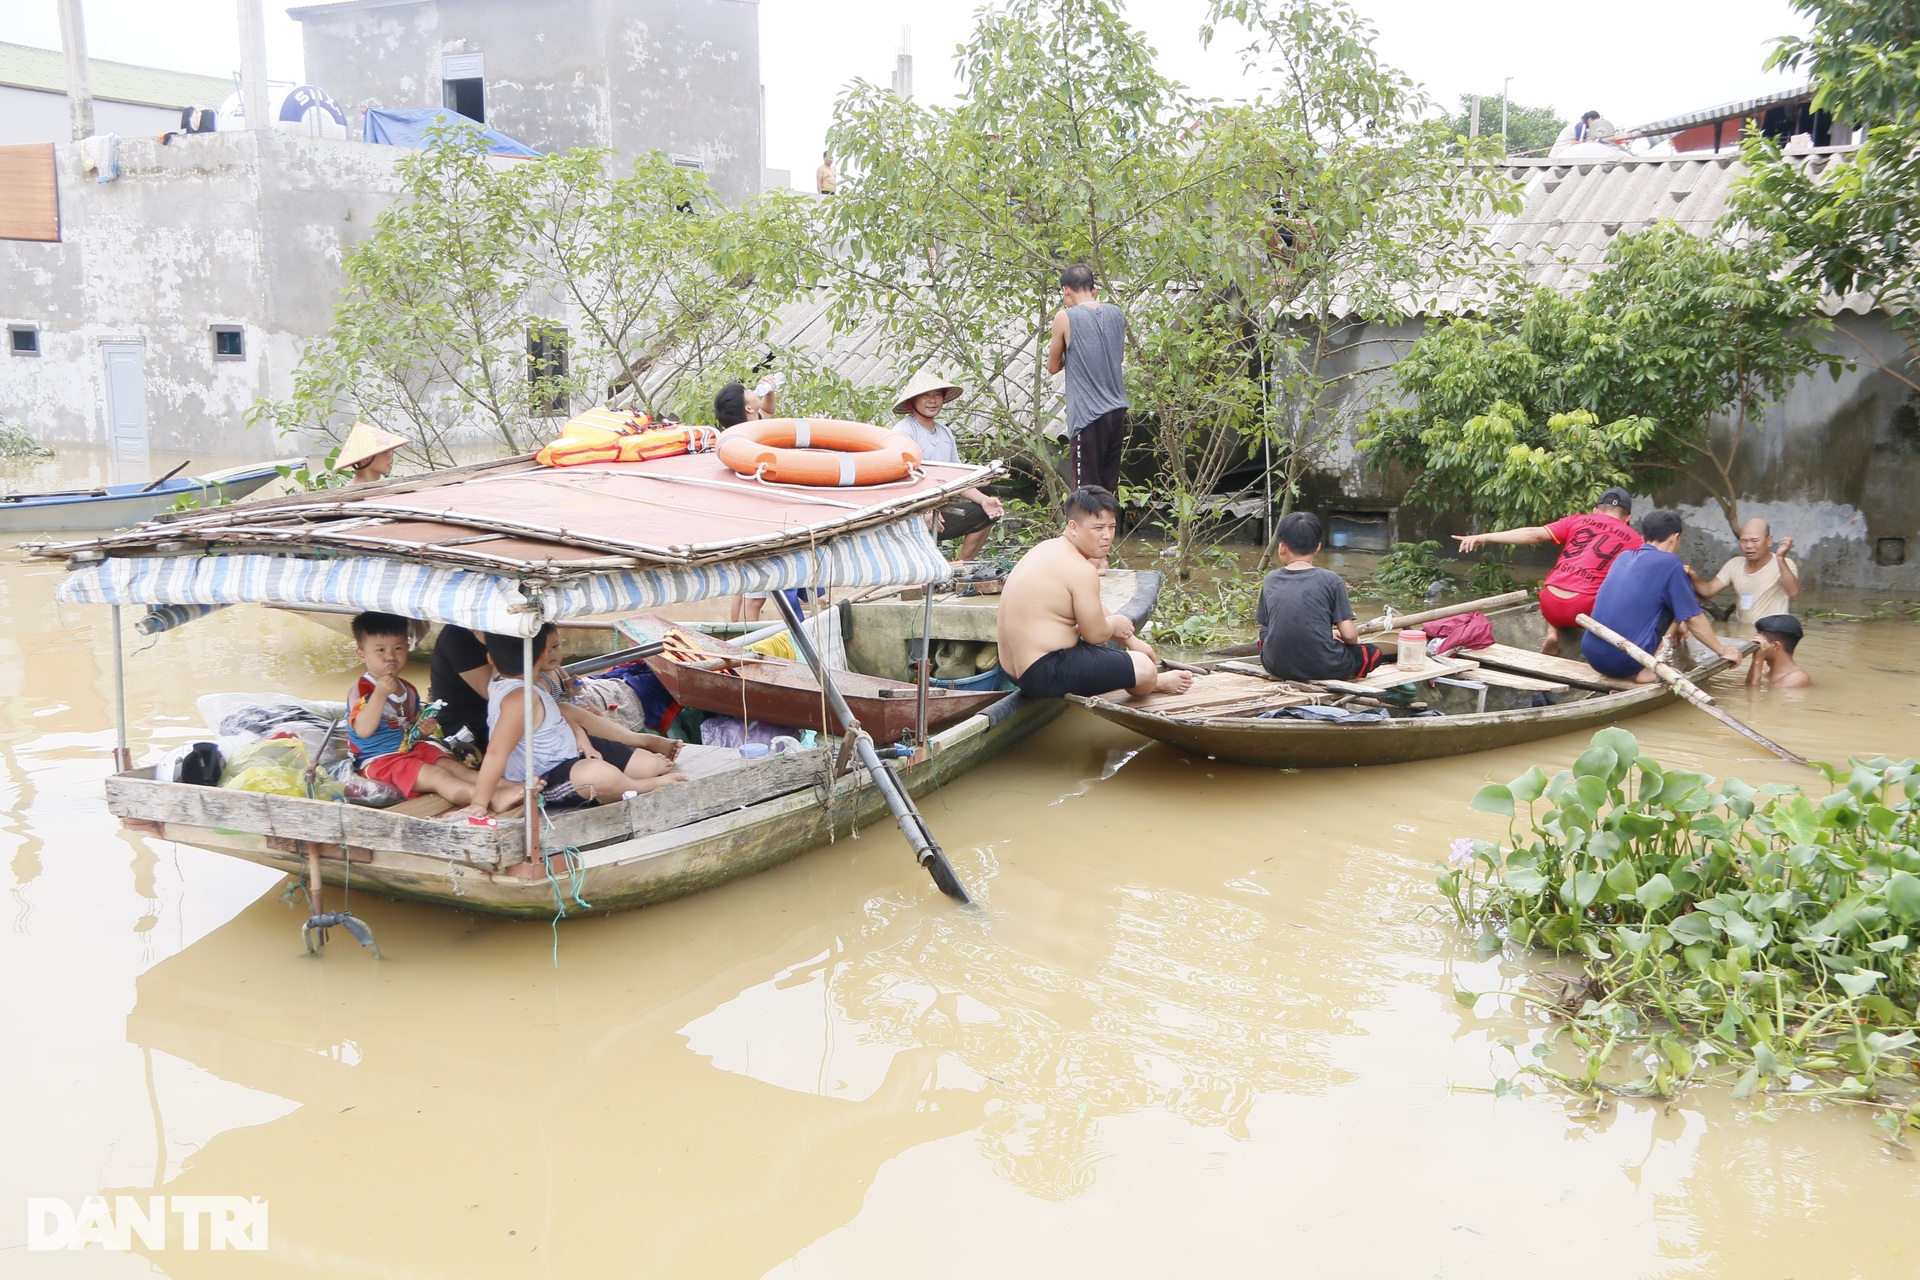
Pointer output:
x,y
501,547
115,506
1494,697
781,691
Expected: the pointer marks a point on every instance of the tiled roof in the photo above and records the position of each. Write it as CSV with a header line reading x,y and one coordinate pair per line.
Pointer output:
x,y
1572,210
26,67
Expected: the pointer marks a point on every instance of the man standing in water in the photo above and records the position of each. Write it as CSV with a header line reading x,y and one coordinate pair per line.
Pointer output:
x,y
1053,629
1087,339
1761,575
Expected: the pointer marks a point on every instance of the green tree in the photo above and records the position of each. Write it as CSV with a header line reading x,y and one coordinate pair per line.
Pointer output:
x,y
1066,145
1664,363
1530,130
634,286
1851,226
1242,239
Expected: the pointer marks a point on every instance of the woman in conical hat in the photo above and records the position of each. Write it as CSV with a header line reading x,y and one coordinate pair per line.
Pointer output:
x,y
368,453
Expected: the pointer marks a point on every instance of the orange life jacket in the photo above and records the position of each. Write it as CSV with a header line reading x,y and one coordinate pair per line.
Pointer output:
x,y
622,435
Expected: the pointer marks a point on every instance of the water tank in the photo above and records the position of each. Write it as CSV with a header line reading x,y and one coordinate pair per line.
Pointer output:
x,y
303,109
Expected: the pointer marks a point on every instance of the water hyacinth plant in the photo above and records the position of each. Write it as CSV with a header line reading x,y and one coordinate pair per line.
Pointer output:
x,y
1755,935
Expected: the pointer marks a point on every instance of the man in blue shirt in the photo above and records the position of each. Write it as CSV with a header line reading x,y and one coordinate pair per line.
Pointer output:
x,y
1645,593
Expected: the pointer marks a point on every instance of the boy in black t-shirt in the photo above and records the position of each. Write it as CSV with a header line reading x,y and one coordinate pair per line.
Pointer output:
x,y
458,676
1307,631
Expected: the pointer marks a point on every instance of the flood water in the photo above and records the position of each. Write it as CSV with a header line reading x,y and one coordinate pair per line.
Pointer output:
x,y
1201,1024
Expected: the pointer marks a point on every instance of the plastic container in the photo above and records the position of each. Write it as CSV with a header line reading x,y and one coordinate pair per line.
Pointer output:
x,y
755,750
1413,651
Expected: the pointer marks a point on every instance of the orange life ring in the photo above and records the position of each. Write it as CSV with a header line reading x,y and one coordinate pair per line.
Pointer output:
x,y
818,452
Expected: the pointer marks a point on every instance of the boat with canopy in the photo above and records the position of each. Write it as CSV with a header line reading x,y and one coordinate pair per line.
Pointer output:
x,y
505,547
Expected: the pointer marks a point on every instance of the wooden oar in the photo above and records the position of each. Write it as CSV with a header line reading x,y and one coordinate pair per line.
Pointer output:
x,y
170,475
1390,622
1685,688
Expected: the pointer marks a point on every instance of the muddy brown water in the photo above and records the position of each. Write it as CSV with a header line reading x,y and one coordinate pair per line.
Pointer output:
x,y
1201,1024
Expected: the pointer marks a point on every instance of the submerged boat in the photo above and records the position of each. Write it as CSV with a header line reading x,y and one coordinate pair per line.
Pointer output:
x,y
1470,700
116,506
505,547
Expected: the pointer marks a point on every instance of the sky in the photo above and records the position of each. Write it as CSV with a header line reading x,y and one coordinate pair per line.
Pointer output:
x,y
1631,60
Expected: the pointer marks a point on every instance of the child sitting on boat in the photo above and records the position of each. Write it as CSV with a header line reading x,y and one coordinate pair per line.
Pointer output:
x,y
1307,628
578,757
385,731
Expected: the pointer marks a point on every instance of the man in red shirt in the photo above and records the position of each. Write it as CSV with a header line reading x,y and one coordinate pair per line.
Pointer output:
x,y
1588,544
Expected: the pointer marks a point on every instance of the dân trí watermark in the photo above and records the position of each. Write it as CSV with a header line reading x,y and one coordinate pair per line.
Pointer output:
x,y
157,1222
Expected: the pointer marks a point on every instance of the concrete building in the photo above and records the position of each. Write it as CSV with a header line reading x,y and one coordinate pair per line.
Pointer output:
x,y
678,76
182,291
129,100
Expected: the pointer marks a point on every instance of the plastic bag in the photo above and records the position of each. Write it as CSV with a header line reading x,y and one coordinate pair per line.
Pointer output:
x,y
370,792
276,766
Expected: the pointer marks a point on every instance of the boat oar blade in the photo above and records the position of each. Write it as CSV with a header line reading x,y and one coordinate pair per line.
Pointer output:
x,y
1687,689
945,878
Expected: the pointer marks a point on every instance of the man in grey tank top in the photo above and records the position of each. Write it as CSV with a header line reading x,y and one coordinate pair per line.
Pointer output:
x,y
1087,338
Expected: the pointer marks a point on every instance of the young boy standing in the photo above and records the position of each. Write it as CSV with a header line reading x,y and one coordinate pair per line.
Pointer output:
x,y
1307,628
1773,665
382,710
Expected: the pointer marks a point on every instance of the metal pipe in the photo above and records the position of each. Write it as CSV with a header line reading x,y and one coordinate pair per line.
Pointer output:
x,y
122,754
925,849
529,810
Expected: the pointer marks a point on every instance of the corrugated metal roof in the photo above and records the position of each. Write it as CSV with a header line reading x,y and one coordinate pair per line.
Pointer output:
x,y
26,67
1572,210
1725,111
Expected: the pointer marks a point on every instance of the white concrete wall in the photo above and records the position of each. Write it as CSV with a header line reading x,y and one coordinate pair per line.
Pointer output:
x,y
231,228
32,115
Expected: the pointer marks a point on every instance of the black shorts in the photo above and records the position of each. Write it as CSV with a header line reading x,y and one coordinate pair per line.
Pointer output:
x,y
560,793
961,517
1085,669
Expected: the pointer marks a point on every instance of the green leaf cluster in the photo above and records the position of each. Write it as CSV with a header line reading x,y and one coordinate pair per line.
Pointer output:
x,y
1663,363
1530,130
657,287
1240,238
1850,223
1762,933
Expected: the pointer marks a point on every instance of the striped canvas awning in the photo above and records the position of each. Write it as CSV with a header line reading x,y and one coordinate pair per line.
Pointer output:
x,y
899,554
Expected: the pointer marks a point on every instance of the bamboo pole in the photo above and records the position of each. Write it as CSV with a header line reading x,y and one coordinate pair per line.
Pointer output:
x,y
1685,688
1392,621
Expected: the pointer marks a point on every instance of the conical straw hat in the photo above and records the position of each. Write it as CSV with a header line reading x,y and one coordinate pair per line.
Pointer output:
x,y
922,383
364,442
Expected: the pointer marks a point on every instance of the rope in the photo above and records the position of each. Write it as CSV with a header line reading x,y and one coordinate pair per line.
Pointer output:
x,y
576,876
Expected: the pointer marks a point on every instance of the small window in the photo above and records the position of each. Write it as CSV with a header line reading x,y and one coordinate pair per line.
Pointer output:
x,y
229,342
547,370
23,339
468,97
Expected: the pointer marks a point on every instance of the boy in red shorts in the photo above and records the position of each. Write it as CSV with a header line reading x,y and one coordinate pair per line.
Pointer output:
x,y
383,708
1589,541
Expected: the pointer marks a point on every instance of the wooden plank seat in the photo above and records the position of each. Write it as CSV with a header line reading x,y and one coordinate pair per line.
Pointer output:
x,y
1389,676
1543,667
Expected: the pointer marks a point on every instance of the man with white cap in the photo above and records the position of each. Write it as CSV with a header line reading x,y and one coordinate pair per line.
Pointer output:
x,y
368,453
971,515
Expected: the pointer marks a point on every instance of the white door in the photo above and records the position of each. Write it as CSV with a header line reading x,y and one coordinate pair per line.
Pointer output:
x,y
126,410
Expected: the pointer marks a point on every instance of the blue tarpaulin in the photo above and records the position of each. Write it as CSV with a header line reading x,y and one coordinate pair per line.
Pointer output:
x,y
408,128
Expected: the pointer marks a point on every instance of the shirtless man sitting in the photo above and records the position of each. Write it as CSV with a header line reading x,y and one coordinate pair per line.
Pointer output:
x,y
1052,625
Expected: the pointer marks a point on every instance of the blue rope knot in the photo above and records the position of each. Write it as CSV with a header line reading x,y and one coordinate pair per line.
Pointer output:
x,y
576,876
